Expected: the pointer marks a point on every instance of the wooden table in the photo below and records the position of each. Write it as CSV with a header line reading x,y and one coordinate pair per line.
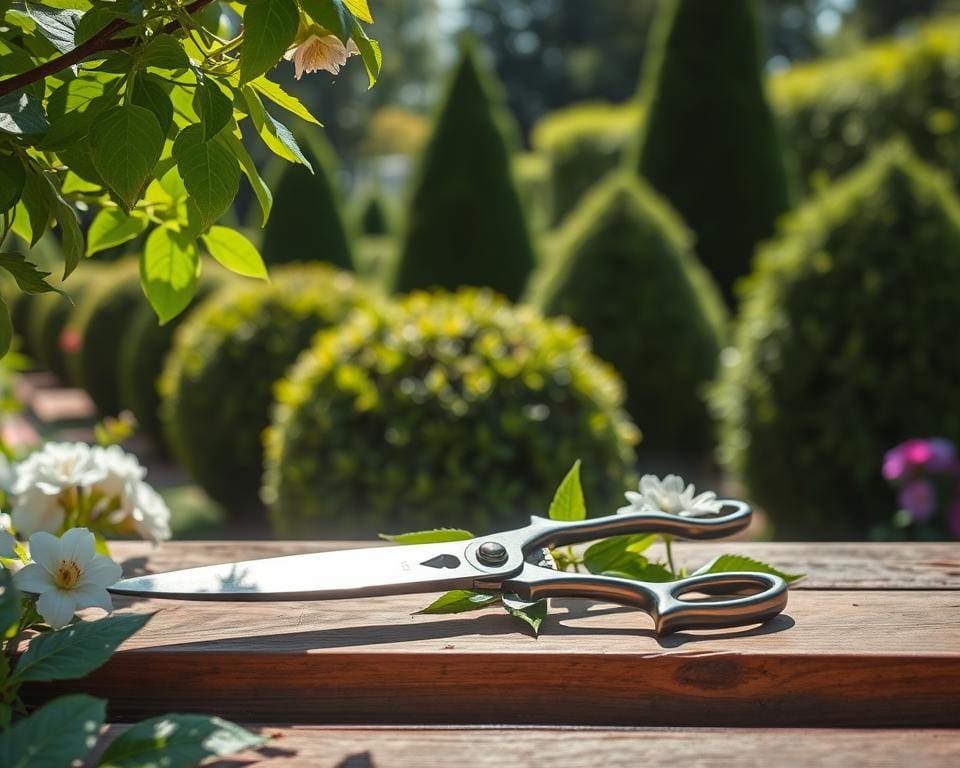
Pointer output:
x,y
863,668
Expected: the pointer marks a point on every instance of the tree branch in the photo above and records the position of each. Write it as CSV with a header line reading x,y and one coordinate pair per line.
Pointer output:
x,y
104,40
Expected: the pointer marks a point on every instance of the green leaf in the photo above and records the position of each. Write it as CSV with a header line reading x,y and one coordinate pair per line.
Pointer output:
x,y
125,144
169,268
22,115
34,201
531,614
235,252
61,731
369,52
260,189
460,601
275,134
728,563
112,227
281,98
73,106
165,52
6,339
76,650
13,178
209,171
177,741
616,552
70,234
28,277
435,536
9,594
360,9
149,92
332,14
269,29
213,107
568,502
58,25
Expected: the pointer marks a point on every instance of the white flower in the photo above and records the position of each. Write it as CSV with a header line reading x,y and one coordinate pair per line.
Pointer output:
x,y
35,511
58,466
318,52
150,516
669,495
67,575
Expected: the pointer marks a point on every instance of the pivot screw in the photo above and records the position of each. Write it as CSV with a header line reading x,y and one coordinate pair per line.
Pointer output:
x,y
492,553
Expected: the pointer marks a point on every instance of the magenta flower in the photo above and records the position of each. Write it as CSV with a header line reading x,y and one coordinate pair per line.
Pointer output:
x,y
933,454
919,498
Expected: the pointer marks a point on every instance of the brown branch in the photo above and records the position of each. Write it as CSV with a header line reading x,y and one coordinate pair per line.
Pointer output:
x,y
104,40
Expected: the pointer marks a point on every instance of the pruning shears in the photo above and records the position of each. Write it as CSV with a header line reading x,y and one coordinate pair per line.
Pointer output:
x,y
514,563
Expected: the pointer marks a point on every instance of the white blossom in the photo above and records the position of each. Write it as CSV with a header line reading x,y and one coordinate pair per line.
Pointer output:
x,y
34,510
66,575
318,52
56,467
670,495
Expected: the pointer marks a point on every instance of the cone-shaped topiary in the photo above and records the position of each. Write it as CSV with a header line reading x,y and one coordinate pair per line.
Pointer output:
x,y
708,142
625,271
465,225
375,218
217,385
100,321
451,409
144,350
305,222
847,345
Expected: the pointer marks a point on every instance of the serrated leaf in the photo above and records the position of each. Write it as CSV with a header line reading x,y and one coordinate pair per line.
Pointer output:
x,y
125,144
58,25
209,171
112,227
61,731
165,52
370,53
28,277
235,252
34,202
13,178
22,115
269,29
274,134
177,741
150,93
169,269
260,189
531,614
73,106
728,563
332,14
568,502
435,536
71,236
461,601
76,650
281,98
213,107
360,9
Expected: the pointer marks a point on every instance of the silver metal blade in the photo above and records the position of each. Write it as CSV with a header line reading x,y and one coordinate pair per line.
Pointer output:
x,y
321,576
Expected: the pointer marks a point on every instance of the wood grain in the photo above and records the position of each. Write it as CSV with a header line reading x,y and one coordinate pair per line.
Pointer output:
x,y
591,747
868,657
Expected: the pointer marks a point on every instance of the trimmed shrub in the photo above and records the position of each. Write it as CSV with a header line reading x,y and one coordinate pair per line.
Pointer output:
x,y
374,217
99,322
447,410
625,271
583,144
305,222
835,112
217,384
708,141
50,314
144,350
466,225
847,345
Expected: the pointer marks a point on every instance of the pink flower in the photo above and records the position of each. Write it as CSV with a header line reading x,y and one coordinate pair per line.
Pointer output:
x,y
919,498
317,52
934,454
70,341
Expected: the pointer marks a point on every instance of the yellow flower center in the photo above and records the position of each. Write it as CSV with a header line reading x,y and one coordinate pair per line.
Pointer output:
x,y
67,574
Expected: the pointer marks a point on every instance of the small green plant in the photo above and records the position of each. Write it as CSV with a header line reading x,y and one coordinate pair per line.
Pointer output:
x,y
454,407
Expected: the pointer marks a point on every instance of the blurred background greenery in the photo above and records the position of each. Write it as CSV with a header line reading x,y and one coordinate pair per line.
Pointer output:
x,y
725,234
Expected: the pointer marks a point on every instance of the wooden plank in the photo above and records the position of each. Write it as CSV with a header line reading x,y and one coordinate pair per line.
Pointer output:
x,y
590,747
827,565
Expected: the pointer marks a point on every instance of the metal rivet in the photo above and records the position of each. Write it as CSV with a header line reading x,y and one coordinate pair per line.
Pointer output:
x,y
492,553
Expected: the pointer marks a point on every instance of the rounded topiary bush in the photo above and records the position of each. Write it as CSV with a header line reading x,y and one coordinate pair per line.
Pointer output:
x,y
49,316
217,385
448,409
624,270
100,321
846,345
144,351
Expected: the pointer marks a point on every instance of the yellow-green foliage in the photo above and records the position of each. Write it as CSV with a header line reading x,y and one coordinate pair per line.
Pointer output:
x,y
450,409
846,345
218,380
583,143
